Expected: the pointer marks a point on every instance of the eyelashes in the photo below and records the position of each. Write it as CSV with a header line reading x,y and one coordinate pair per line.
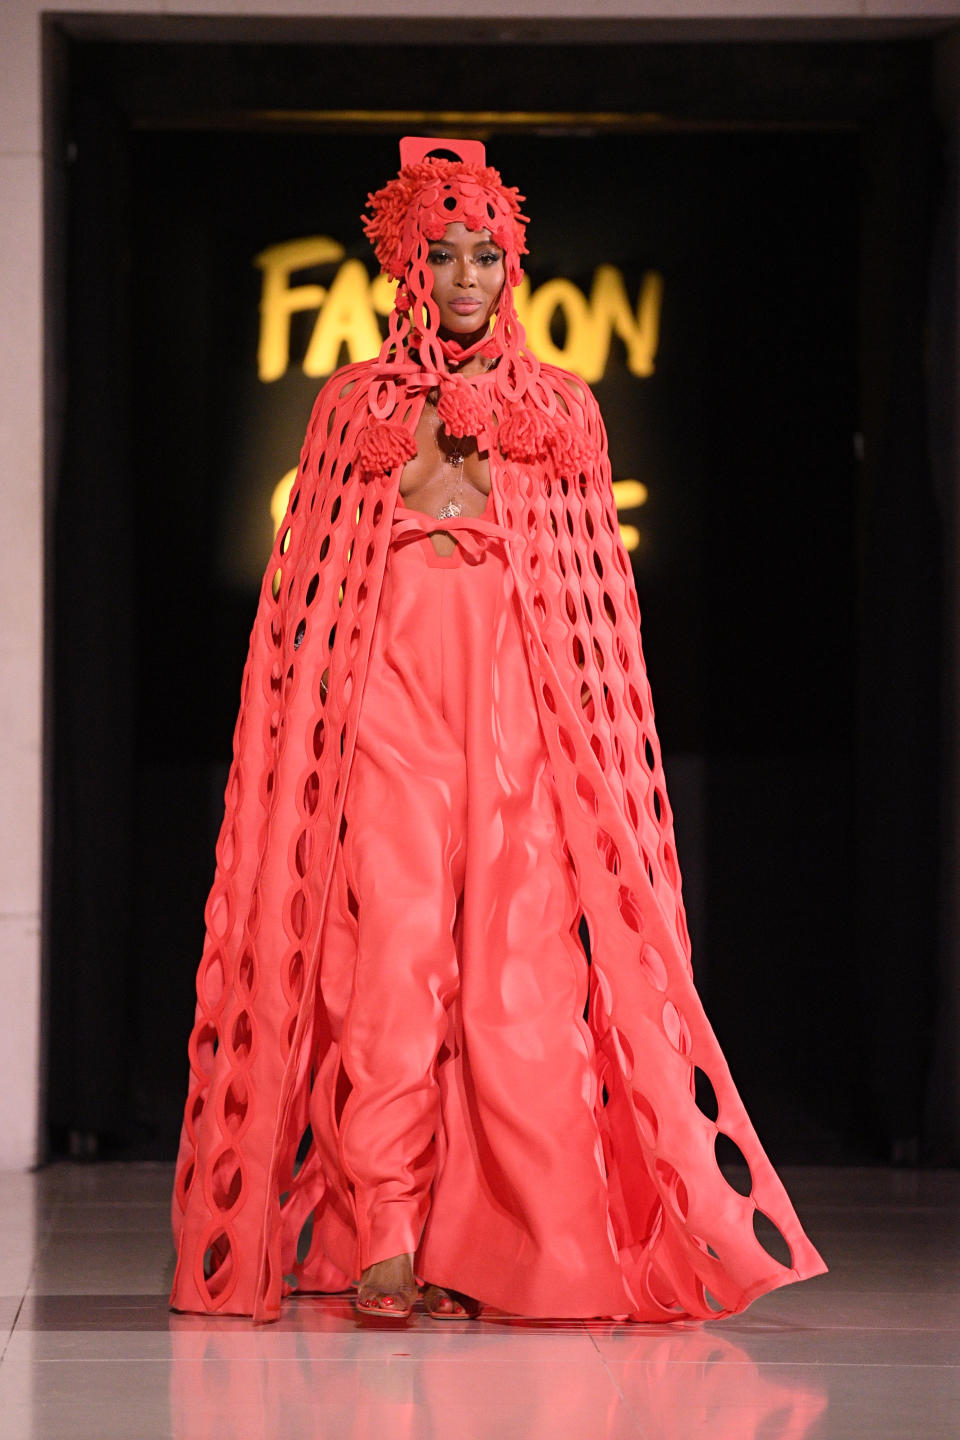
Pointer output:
x,y
486,257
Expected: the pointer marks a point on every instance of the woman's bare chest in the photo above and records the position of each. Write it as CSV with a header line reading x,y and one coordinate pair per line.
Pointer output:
x,y
446,471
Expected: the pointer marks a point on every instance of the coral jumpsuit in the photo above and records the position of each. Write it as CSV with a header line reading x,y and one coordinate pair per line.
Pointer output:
x,y
455,1109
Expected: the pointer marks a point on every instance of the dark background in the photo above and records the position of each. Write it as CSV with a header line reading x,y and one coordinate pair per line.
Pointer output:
x,y
788,572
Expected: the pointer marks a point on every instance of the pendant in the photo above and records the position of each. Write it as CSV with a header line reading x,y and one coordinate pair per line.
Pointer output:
x,y
450,510
455,458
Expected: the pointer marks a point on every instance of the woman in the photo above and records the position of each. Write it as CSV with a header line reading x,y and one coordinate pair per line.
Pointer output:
x,y
404,1065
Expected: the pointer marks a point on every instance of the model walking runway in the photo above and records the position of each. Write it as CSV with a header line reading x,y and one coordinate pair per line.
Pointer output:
x,y
405,1066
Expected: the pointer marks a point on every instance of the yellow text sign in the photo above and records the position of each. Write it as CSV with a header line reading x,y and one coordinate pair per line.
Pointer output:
x,y
349,308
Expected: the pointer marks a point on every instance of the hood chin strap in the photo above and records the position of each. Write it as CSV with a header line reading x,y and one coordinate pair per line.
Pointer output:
x,y
456,354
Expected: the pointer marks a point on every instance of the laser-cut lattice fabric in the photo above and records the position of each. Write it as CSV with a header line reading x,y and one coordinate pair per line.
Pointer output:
x,y
686,1240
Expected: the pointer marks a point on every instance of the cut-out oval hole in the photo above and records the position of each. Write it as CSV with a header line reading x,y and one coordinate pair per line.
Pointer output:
x,y
304,1239
706,1095
566,744
246,970
702,1246
653,967
303,1148
608,852
216,1255
646,1118
235,1105
587,795
772,1239
630,910
242,1037
184,1181
226,1180
733,1163
662,1290
675,1028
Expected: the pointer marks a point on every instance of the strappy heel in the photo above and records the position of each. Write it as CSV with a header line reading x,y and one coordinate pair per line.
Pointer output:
x,y
386,1300
386,1304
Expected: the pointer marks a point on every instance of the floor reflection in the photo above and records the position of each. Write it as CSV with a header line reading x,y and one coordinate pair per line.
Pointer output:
x,y
91,1352
469,1379
676,1381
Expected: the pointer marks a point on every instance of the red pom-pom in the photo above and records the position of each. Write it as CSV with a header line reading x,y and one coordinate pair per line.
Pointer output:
x,y
459,409
570,449
523,435
383,446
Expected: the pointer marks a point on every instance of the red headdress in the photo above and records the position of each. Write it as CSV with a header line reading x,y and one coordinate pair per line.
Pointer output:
x,y
431,192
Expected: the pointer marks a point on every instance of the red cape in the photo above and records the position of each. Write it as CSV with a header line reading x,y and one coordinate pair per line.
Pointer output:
x,y
684,1236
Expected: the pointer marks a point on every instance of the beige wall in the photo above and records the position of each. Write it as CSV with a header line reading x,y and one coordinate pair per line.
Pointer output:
x,y
21,428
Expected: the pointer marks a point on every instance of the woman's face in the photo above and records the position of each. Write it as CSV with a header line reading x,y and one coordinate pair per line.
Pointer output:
x,y
468,275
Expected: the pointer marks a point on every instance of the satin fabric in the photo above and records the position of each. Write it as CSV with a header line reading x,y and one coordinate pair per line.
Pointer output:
x,y
453,978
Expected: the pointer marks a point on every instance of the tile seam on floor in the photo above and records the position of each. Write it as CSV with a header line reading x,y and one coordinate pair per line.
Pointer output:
x,y
627,1404
10,1329
38,1252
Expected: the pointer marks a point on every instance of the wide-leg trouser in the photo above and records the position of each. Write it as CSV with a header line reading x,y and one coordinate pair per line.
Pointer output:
x,y
463,1124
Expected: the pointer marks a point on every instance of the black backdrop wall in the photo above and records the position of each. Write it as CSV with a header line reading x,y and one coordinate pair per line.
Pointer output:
x,y
786,555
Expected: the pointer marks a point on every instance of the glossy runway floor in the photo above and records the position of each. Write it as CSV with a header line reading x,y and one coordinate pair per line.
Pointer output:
x,y
90,1351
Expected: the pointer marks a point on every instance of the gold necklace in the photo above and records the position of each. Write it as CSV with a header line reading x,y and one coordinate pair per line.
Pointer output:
x,y
454,457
